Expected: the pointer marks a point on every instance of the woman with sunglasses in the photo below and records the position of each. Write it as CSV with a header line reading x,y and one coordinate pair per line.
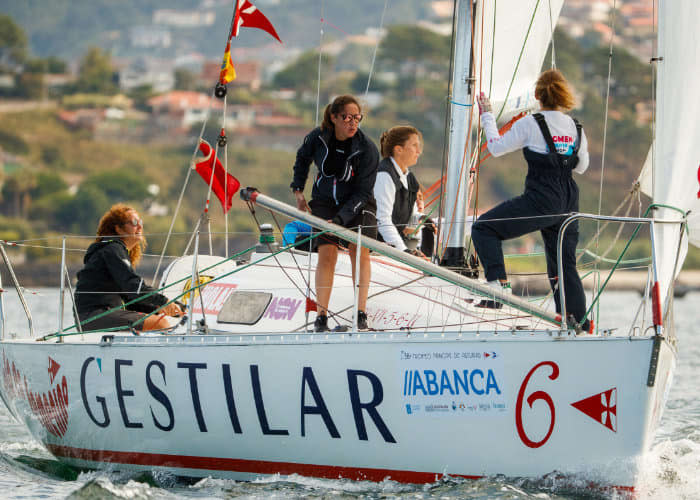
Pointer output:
x,y
346,160
108,279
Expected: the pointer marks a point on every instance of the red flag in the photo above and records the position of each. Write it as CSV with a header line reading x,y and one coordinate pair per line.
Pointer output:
x,y
248,16
310,305
221,177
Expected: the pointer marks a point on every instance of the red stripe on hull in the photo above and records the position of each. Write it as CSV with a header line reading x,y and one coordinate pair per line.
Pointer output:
x,y
265,467
246,466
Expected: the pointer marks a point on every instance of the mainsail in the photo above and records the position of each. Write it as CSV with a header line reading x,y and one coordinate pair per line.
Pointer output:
x,y
508,43
511,40
671,174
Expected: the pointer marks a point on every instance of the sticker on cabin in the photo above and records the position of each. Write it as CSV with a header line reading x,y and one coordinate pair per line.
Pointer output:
x,y
283,308
452,383
213,295
386,319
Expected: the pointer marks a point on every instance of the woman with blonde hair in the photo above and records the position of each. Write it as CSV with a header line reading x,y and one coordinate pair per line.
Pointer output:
x,y
554,146
346,160
108,280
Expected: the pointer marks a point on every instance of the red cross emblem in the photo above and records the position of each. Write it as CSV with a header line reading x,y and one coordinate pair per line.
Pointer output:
x,y
601,407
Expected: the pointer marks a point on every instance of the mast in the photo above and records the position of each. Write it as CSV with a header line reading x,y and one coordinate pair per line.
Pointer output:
x,y
459,145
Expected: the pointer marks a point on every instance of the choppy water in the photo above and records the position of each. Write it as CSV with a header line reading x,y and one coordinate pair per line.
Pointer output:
x,y
27,470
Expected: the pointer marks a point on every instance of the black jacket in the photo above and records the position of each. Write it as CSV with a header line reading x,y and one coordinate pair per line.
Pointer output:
x,y
350,189
108,280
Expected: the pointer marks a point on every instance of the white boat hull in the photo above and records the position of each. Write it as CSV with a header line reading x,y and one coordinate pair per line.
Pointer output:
x,y
409,407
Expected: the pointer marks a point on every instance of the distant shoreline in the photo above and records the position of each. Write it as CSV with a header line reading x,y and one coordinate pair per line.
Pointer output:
x,y
46,275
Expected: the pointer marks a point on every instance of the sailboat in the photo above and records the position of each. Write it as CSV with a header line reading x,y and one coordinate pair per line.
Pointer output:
x,y
437,387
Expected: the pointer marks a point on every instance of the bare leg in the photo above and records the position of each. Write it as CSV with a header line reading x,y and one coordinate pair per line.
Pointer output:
x,y
156,322
325,271
365,274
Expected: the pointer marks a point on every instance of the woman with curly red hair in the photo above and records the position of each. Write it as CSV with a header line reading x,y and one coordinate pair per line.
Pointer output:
x,y
108,279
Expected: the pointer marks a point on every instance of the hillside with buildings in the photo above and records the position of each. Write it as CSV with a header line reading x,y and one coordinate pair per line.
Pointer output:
x,y
118,119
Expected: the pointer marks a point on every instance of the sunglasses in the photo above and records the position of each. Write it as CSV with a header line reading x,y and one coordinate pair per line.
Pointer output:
x,y
135,222
346,118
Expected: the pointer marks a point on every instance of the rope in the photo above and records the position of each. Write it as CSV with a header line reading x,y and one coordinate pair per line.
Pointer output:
x,y
320,55
184,185
374,54
551,31
517,64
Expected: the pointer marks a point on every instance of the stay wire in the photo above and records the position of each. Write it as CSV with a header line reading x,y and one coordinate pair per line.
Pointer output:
x,y
376,47
320,56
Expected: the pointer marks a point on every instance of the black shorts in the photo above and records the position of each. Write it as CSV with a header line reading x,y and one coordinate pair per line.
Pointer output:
x,y
327,210
120,318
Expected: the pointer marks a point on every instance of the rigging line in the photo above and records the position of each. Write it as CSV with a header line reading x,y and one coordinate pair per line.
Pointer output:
x,y
607,105
388,289
493,46
520,56
274,255
223,136
376,47
601,227
320,56
184,185
446,241
605,119
446,128
298,267
551,33
654,58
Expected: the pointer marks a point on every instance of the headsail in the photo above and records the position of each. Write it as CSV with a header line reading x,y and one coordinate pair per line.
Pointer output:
x,y
511,41
672,172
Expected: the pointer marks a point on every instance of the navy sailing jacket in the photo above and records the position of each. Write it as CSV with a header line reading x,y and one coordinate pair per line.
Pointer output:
x,y
349,189
108,279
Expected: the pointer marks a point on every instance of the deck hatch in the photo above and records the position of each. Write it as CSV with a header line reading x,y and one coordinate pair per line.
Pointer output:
x,y
244,308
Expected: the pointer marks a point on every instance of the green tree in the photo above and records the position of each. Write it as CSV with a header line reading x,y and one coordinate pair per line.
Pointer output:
x,y
52,65
185,79
16,192
302,73
13,43
78,214
118,185
141,95
48,183
96,73
30,86
411,45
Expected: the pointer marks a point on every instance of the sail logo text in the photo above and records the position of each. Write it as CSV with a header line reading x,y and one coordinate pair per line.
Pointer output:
x,y
442,382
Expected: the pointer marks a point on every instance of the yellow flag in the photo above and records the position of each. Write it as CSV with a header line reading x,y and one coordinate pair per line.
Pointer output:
x,y
228,72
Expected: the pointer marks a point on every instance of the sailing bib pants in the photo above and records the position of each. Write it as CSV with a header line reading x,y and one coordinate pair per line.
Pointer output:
x,y
550,191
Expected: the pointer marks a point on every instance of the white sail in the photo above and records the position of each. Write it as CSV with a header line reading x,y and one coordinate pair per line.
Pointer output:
x,y
508,62
672,173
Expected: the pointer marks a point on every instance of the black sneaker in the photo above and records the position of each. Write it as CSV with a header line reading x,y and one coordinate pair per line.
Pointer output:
x,y
362,321
321,323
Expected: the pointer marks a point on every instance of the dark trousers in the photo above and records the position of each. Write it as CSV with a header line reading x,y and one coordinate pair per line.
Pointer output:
x,y
488,234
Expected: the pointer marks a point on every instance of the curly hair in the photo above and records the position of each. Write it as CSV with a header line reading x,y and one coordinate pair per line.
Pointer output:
x,y
553,91
117,215
396,136
336,107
